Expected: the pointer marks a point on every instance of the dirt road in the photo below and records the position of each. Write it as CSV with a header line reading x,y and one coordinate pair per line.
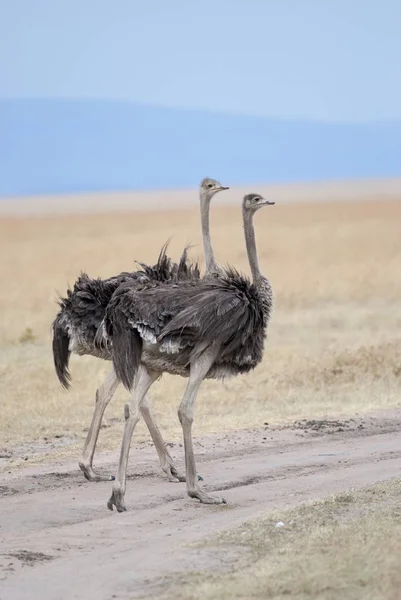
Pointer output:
x,y
58,541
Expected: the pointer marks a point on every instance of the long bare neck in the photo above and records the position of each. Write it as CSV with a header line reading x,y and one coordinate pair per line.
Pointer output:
x,y
250,242
210,261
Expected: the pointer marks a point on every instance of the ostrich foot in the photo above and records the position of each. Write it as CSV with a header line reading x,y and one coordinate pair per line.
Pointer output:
x,y
174,475
91,475
117,500
206,498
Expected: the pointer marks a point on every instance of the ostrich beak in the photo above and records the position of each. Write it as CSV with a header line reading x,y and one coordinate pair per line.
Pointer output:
x,y
223,187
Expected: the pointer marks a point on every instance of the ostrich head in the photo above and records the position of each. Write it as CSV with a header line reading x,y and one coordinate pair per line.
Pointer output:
x,y
252,202
210,187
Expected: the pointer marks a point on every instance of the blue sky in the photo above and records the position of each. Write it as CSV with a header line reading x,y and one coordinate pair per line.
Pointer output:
x,y
334,60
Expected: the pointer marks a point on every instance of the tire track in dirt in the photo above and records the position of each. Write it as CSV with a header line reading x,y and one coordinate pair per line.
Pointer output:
x,y
59,541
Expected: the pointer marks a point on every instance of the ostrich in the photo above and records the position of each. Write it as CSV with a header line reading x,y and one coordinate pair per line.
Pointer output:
x,y
82,312
211,329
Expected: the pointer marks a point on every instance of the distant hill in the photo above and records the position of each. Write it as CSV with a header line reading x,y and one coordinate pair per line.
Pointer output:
x,y
53,146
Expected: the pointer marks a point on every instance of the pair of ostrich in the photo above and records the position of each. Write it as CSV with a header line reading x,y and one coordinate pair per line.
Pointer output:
x,y
166,319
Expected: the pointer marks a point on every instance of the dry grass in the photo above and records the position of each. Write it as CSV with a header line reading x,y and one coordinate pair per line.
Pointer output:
x,y
334,344
347,547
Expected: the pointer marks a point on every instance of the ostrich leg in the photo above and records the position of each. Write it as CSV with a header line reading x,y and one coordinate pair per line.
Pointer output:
x,y
198,372
103,396
143,381
166,462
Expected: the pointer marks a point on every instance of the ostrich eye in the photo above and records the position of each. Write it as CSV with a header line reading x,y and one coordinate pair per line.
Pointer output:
x,y
210,185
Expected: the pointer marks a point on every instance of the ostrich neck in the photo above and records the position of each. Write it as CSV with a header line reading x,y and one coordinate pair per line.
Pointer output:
x,y
210,261
250,242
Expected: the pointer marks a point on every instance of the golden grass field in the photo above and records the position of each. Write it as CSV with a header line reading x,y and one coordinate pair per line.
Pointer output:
x,y
334,344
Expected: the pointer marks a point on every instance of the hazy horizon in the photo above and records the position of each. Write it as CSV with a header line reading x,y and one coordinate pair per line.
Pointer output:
x,y
152,96
53,146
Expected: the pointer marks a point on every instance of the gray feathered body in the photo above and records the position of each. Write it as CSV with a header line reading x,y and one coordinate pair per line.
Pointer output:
x,y
166,327
83,310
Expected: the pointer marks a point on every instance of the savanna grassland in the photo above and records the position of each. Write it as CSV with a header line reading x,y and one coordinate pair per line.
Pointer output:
x,y
334,344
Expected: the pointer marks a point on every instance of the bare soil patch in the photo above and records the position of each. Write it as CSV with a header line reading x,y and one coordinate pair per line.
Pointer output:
x,y
54,512
345,546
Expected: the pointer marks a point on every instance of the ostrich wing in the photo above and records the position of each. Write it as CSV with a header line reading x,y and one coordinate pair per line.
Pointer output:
x,y
225,310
